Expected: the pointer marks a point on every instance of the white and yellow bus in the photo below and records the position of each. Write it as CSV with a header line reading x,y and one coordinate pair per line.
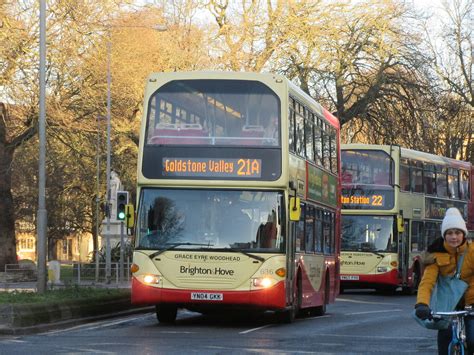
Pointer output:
x,y
393,203
238,197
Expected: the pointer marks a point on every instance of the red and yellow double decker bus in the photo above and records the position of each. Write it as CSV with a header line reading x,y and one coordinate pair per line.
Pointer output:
x,y
394,200
238,196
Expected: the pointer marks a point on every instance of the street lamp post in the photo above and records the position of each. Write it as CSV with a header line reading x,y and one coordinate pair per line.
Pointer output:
x,y
108,257
42,213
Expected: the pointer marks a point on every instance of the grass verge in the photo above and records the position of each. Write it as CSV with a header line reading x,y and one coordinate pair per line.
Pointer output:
x,y
74,293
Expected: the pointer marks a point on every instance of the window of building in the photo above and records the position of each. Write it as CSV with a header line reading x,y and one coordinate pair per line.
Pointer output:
x,y
27,244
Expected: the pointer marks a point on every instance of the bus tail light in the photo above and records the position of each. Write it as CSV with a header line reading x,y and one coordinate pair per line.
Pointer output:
x,y
134,268
151,279
264,282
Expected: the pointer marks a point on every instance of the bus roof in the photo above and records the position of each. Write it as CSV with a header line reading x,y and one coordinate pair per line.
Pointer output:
x,y
413,154
216,75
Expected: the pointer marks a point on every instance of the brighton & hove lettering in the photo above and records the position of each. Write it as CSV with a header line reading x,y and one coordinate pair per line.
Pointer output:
x,y
196,270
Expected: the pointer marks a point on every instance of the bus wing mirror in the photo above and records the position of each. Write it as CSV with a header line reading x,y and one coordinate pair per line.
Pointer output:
x,y
295,209
129,216
400,224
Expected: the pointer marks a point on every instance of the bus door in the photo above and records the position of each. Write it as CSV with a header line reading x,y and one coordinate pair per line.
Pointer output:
x,y
403,250
290,260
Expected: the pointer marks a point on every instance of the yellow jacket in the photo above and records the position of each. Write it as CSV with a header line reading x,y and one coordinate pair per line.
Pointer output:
x,y
444,260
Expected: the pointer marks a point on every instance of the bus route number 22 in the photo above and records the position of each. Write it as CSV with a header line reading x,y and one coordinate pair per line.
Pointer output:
x,y
248,167
377,200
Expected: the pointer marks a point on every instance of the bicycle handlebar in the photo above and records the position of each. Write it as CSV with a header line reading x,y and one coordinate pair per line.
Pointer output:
x,y
462,313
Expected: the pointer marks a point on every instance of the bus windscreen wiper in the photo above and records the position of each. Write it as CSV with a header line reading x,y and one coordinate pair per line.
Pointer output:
x,y
175,245
256,257
372,251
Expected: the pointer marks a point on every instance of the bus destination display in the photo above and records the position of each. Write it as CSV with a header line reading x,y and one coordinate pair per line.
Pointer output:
x,y
212,167
360,199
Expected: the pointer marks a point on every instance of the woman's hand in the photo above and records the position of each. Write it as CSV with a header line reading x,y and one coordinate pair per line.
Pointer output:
x,y
422,311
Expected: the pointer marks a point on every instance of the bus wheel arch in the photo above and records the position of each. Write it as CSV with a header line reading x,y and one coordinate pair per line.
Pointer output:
x,y
321,310
288,315
298,300
416,278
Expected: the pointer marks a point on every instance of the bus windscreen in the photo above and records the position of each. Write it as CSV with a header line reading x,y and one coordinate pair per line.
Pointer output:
x,y
210,220
368,233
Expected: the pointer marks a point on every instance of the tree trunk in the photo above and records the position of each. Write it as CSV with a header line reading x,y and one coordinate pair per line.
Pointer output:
x,y
7,213
7,216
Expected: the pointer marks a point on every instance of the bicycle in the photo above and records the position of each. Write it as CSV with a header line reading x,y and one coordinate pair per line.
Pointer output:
x,y
457,346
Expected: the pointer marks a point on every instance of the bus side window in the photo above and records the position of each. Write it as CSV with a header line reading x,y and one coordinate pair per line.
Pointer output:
x,y
327,232
309,229
429,179
404,177
417,242
453,183
300,245
416,176
464,185
318,231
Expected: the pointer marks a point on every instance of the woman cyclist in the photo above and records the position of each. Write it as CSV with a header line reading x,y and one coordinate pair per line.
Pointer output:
x,y
442,259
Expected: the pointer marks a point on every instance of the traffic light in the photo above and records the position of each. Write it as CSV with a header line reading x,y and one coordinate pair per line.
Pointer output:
x,y
122,200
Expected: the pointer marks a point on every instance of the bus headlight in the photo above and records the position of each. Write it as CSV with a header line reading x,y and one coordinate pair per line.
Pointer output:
x,y
382,269
151,279
264,282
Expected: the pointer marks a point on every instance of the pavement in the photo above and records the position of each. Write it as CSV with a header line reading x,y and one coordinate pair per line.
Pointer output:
x,y
34,318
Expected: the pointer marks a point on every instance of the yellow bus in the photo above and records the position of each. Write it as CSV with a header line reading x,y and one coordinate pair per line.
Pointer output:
x,y
238,197
393,202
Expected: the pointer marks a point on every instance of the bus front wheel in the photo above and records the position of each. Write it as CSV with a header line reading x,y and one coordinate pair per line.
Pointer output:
x,y
289,315
166,313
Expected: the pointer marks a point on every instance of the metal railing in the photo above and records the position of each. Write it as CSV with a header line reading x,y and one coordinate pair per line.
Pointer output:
x,y
64,273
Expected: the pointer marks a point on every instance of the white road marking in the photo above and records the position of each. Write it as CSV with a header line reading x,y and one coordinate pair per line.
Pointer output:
x,y
368,312
270,351
96,325
382,337
12,341
316,317
254,329
366,302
